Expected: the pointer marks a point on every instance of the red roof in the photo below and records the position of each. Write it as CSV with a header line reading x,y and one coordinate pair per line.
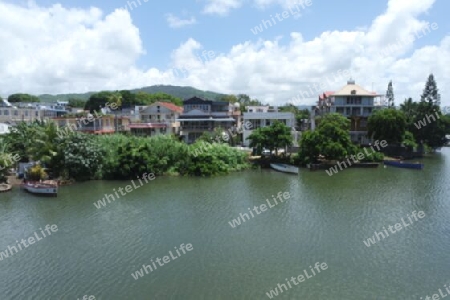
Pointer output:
x,y
170,106
327,94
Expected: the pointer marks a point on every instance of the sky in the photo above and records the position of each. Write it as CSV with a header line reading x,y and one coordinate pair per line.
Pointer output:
x,y
276,51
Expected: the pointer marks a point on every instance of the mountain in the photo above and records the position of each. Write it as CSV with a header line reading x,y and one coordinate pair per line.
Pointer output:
x,y
182,92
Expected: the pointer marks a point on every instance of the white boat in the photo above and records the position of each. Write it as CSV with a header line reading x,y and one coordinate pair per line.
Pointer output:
x,y
38,188
285,168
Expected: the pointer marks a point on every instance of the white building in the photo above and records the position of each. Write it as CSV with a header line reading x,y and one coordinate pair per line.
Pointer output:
x,y
4,128
263,116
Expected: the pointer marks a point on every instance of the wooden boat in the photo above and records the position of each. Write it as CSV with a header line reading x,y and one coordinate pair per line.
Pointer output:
x,y
39,188
5,187
284,168
402,164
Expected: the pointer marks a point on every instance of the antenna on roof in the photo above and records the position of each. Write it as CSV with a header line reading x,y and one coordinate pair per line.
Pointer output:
x,y
351,81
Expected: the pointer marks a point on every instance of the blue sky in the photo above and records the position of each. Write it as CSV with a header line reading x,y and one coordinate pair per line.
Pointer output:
x,y
139,46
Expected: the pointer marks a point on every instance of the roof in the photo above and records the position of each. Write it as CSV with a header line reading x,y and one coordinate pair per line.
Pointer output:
x,y
352,89
170,106
326,94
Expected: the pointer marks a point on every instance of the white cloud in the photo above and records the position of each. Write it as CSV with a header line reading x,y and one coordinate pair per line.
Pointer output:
x,y
57,50
175,22
221,7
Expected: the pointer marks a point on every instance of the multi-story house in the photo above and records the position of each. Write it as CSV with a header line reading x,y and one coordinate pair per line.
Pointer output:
x,y
157,118
201,116
353,102
262,116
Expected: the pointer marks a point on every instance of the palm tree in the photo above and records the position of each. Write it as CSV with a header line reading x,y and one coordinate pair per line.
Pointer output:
x,y
409,107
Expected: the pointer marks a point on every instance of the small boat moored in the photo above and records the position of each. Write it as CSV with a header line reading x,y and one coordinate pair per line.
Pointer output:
x,y
284,168
4,187
402,164
39,188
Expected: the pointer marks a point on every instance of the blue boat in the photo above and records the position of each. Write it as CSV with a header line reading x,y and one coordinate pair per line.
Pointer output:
x,y
402,164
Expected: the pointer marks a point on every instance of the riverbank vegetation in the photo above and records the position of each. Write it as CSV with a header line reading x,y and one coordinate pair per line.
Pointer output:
x,y
81,156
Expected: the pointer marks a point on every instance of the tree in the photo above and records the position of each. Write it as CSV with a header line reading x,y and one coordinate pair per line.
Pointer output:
x,y
331,139
143,98
429,125
430,93
409,108
390,95
14,98
76,102
387,124
128,99
228,98
99,100
273,137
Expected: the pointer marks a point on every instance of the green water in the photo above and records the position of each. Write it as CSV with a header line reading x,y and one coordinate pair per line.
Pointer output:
x,y
326,219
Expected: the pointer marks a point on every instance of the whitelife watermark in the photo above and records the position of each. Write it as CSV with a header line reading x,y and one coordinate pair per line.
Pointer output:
x,y
9,160
165,260
356,158
31,240
132,4
280,17
69,128
128,189
427,120
395,47
300,278
398,226
437,296
263,207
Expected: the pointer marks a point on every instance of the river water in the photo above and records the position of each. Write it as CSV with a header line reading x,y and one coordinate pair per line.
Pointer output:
x,y
325,220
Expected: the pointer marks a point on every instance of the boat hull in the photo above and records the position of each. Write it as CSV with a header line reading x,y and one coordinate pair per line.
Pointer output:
x,y
40,189
401,164
284,168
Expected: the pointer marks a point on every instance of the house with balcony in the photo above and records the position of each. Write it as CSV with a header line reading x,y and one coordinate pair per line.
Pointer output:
x,y
200,115
156,119
353,102
263,116
93,123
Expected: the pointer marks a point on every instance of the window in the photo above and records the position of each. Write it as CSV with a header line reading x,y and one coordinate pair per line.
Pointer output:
x,y
16,112
6,112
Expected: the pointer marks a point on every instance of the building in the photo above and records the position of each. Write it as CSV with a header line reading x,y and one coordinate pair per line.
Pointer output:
x,y
201,116
156,119
29,112
94,124
262,116
353,102
4,128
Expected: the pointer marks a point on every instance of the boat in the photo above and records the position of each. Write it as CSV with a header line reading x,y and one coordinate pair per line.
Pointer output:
x,y
402,164
40,188
284,168
4,187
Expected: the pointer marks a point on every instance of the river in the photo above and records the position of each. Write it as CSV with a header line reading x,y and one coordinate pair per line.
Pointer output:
x,y
95,251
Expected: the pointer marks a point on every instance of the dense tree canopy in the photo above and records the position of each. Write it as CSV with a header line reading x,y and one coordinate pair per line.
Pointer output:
x,y
331,139
77,102
14,98
272,137
387,124
99,100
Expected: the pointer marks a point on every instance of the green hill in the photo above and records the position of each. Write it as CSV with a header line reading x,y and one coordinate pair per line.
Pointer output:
x,y
182,92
